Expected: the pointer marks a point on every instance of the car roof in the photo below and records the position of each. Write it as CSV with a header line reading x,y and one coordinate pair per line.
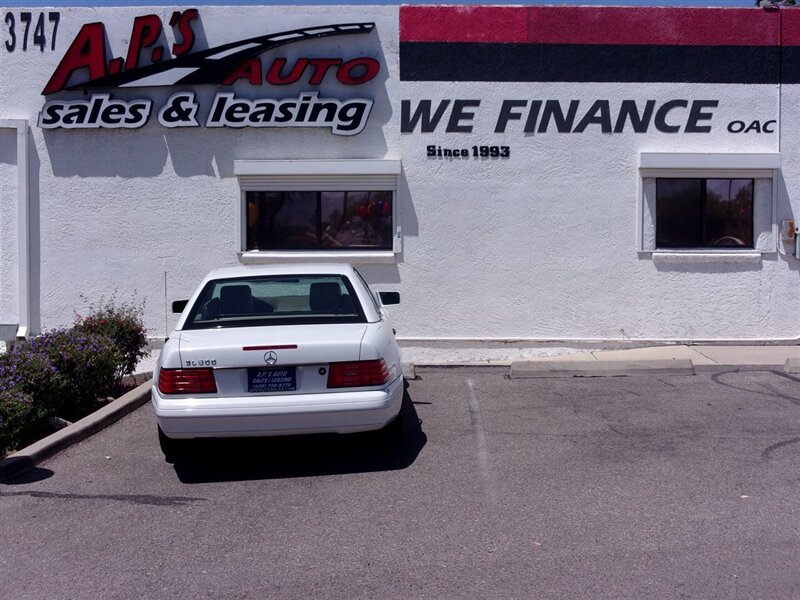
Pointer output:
x,y
293,269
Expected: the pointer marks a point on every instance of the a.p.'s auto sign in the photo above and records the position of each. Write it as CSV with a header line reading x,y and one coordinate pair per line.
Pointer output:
x,y
150,62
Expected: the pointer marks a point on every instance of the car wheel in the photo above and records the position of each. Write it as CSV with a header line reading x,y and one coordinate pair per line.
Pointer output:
x,y
173,449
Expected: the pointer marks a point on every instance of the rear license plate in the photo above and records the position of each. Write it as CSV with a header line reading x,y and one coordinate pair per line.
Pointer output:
x,y
271,379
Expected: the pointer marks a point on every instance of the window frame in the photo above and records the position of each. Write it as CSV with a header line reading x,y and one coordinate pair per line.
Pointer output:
x,y
319,176
762,168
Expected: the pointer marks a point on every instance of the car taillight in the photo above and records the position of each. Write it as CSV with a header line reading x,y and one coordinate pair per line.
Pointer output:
x,y
186,381
356,374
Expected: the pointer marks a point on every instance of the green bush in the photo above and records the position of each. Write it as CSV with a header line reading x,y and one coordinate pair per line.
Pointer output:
x,y
64,372
28,369
16,421
122,323
31,390
84,367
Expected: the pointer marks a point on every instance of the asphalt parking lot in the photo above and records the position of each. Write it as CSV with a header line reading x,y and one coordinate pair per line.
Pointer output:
x,y
635,487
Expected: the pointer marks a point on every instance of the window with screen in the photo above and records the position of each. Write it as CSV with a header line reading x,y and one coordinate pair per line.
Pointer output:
x,y
704,213
319,220
293,209
708,207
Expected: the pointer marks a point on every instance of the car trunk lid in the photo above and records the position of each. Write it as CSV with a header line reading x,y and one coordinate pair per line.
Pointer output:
x,y
255,360
276,345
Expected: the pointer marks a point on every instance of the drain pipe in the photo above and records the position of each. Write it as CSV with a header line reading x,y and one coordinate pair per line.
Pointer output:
x,y
24,328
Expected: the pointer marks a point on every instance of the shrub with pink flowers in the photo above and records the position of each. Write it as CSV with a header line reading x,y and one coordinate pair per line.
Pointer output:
x,y
122,323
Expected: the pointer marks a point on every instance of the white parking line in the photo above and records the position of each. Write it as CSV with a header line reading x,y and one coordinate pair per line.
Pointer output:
x,y
482,452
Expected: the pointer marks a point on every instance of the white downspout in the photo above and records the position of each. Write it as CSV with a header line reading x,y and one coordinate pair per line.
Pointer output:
x,y
23,225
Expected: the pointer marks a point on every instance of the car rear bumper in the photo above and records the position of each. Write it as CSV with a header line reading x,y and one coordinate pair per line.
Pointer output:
x,y
330,412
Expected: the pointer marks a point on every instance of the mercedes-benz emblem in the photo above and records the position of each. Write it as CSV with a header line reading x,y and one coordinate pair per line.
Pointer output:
x,y
270,358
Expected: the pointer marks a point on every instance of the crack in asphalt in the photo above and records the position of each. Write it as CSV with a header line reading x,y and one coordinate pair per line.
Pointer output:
x,y
770,449
776,392
482,452
144,499
770,390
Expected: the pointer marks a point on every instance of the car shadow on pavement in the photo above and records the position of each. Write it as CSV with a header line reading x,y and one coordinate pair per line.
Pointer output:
x,y
305,456
24,472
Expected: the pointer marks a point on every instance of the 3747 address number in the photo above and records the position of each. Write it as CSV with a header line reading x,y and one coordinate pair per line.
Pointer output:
x,y
20,29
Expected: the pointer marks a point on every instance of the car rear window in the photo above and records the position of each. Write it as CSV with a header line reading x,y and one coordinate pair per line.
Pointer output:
x,y
275,300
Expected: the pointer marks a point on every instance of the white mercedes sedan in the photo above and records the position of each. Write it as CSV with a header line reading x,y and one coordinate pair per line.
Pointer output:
x,y
282,350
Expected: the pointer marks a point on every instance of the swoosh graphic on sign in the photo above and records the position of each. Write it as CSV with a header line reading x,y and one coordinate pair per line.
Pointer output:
x,y
211,65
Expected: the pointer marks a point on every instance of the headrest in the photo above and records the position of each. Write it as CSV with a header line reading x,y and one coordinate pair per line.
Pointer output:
x,y
325,296
236,298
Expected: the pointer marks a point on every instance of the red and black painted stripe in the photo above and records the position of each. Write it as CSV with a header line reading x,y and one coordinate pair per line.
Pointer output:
x,y
610,44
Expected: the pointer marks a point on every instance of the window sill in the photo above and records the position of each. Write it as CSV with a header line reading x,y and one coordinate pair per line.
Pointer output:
x,y
353,257
681,258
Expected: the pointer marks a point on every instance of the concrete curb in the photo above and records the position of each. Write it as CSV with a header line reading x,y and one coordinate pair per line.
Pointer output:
x,y
792,365
28,458
409,371
612,368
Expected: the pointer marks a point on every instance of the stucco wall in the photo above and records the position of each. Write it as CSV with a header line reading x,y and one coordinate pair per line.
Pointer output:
x,y
9,275
540,245
546,242
120,208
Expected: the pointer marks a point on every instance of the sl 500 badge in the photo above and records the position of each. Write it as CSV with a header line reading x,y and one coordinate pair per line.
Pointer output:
x,y
203,362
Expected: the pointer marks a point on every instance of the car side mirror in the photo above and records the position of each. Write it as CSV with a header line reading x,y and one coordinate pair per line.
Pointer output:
x,y
179,305
389,298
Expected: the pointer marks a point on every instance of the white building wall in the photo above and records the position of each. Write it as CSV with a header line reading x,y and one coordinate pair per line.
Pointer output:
x,y
9,274
542,245
788,279
122,207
